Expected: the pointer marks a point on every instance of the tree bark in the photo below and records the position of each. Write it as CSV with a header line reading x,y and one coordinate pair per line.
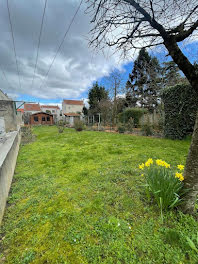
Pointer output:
x,y
191,168
191,174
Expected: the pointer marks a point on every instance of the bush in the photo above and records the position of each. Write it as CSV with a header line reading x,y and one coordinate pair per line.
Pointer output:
x,y
27,134
134,113
60,126
78,125
147,129
180,106
163,183
130,125
121,129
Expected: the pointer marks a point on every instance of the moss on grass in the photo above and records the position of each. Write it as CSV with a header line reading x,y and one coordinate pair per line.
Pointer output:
x,y
78,198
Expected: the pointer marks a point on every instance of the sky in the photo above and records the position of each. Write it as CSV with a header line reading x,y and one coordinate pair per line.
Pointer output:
x,y
76,67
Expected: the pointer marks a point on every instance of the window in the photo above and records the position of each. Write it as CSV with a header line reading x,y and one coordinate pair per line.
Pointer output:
x,y
48,118
43,118
53,111
35,118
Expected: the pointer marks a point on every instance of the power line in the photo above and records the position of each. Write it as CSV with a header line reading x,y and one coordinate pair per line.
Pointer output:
x,y
6,78
39,41
64,37
13,43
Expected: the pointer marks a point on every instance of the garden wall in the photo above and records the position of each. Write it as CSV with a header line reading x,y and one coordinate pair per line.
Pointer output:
x,y
153,118
9,148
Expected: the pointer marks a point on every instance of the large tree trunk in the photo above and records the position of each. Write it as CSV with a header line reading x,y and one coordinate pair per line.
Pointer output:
x,y
191,168
191,174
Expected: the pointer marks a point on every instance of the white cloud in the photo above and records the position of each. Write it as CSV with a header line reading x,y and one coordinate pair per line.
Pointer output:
x,y
75,68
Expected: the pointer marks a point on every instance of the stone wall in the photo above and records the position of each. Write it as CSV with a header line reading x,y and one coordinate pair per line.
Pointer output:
x,y
8,156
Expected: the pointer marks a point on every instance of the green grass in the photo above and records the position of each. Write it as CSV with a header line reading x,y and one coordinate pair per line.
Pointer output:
x,y
77,197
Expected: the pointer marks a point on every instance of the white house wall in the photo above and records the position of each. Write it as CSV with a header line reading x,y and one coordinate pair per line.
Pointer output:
x,y
68,108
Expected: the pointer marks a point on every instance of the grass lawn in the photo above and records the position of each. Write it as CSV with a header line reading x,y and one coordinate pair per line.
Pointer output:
x,y
78,198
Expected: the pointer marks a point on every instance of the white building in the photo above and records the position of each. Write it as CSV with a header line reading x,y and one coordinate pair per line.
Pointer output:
x,y
52,109
72,109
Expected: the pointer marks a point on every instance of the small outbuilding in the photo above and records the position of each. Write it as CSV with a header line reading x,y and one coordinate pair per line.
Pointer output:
x,y
71,117
41,118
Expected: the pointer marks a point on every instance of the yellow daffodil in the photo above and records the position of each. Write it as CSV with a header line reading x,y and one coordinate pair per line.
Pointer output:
x,y
141,166
179,176
162,163
148,162
180,167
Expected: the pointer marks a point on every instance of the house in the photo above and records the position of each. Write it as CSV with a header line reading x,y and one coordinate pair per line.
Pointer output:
x,y
32,108
72,110
41,118
52,109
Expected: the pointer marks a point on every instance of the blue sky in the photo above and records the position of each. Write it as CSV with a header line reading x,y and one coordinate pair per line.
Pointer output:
x,y
189,50
76,66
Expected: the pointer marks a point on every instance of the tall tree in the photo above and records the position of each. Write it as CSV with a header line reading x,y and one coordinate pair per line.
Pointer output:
x,y
96,94
85,111
151,23
115,81
170,74
144,81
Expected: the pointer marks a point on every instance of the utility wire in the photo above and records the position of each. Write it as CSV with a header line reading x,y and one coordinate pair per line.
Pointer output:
x,y
64,37
39,42
10,86
13,43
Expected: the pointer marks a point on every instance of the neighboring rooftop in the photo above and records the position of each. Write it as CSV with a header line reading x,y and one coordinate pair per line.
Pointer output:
x,y
73,102
72,114
50,106
42,113
32,107
20,110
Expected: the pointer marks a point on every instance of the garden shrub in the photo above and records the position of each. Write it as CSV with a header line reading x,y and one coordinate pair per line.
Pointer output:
x,y
121,128
130,125
180,106
78,125
147,129
60,125
134,113
163,182
27,135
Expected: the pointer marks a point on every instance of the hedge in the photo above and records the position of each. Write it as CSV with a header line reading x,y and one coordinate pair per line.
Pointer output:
x,y
180,107
134,113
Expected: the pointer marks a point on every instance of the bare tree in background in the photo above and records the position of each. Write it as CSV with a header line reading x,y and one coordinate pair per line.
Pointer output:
x,y
134,24
115,81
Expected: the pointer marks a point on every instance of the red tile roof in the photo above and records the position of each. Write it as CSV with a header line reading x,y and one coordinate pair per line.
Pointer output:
x,y
43,113
32,107
73,102
50,106
72,114
20,110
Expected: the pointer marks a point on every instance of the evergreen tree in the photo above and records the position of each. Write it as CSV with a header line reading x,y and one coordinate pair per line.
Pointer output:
x,y
171,75
85,111
96,94
144,82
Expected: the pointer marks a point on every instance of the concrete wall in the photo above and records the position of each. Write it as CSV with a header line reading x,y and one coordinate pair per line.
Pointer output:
x,y
8,156
153,118
3,96
8,111
20,119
